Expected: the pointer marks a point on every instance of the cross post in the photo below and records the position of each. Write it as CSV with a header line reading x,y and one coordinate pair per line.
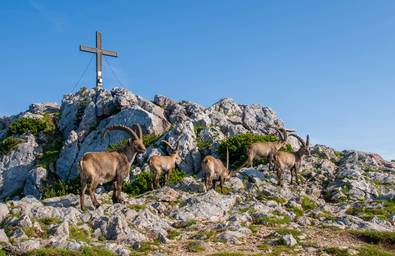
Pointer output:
x,y
99,57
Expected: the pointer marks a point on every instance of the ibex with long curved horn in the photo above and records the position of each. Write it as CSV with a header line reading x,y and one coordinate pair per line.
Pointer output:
x,y
214,170
291,160
101,167
266,150
164,164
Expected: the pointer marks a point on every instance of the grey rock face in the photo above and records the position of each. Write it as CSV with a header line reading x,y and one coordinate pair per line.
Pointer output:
x,y
289,240
34,182
15,166
208,206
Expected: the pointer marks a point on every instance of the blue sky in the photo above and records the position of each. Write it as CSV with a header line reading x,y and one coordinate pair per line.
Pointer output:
x,y
326,67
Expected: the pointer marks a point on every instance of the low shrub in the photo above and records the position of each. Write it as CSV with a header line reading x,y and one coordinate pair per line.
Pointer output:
x,y
195,246
237,146
9,143
61,188
308,204
142,182
84,251
79,234
32,125
336,251
369,250
375,236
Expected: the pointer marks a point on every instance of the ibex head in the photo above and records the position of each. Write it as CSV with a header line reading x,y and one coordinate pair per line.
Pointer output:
x,y
305,148
135,142
174,150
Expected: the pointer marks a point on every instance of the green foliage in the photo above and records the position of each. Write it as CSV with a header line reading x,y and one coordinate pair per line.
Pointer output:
x,y
118,145
286,231
79,234
185,224
227,254
204,234
382,210
51,151
237,146
202,145
9,143
271,220
32,125
142,182
308,204
149,139
172,234
297,210
85,251
375,236
2,253
49,220
147,246
137,207
339,154
195,246
336,251
61,188
369,250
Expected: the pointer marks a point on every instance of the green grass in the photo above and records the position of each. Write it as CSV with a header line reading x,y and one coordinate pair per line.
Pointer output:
x,y
375,237
285,231
204,234
336,251
308,204
172,234
61,188
383,210
148,140
185,224
32,125
142,182
9,143
227,254
369,250
147,246
280,250
195,246
137,207
271,220
2,253
49,220
299,212
85,251
79,234
237,146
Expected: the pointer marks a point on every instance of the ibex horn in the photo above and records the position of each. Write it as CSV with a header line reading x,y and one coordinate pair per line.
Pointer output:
x,y
299,138
121,128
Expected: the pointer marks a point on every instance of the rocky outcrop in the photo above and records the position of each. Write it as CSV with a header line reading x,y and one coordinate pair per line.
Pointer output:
x,y
15,165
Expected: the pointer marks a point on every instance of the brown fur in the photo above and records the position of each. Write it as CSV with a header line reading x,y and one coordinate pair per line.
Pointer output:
x,y
291,161
265,150
214,170
163,164
100,167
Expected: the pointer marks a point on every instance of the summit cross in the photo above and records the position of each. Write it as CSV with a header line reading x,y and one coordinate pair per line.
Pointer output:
x,y
99,57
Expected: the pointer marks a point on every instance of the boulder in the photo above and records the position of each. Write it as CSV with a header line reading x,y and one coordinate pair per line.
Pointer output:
x,y
34,182
15,165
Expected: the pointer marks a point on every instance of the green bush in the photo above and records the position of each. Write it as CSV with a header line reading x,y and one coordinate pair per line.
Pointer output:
x,y
369,250
51,151
61,188
148,140
383,210
79,234
9,143
143,182
85,251
237,146
336,251
308,204
32,125
375,236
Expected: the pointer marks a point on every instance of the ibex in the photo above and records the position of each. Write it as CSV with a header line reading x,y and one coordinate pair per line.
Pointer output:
x,y
100,167
214,170
266,150
291,160
164,164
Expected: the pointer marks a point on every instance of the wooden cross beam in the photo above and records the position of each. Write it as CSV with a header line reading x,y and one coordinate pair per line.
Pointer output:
x,y
99,57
